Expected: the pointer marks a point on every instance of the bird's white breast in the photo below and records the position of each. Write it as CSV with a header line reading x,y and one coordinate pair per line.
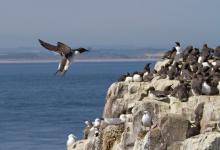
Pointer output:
x,y
128,79
218,86
214,63
178,50
123,117
200,59
137,78
97,123
206,89
71,140
205,64
145,74
151,95
146,119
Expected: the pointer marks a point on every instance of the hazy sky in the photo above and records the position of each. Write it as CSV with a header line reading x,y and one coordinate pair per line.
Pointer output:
x,y
135,23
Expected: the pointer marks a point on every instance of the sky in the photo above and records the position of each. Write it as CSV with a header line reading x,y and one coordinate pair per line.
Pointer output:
x,y
109,23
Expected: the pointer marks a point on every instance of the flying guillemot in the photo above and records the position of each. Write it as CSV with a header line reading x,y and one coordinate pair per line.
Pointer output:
x,y
65,51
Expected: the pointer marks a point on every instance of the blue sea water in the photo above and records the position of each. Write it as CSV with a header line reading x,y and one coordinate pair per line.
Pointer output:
x,y
38,110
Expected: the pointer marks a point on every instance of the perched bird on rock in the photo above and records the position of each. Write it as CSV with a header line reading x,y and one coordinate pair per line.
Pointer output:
x,y
147,119
196,85
137,77
156,94
89,125
70,141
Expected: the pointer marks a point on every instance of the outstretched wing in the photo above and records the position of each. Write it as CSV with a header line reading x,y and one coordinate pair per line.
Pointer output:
x,y
63,48
48,46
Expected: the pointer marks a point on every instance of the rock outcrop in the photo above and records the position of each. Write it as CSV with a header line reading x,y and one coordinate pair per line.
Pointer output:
x,y
172,120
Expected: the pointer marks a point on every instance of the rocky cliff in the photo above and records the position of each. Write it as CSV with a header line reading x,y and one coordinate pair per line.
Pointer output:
x,y
172,120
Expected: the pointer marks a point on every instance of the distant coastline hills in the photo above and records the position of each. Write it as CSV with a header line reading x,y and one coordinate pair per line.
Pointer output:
x,y
39,54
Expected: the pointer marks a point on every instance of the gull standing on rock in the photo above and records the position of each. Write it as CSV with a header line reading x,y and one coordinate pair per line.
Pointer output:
x,y
65,51
70,141
147,119
87,129
96,126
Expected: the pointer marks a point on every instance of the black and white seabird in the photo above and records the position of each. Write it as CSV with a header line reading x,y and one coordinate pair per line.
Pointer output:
x,y
216,53
174,71
137,76
196,85
163,71
156,94
178,52
194,128
128,78
210,86
146,70
148,77
86,131
181,91
187,51
185,72
65,51
206,87
147,67
206,51
170,54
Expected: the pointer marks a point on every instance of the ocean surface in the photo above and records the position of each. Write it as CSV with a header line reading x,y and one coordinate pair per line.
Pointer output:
x,y
38,109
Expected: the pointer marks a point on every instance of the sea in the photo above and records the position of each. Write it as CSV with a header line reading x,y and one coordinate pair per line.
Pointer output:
x,y
39,109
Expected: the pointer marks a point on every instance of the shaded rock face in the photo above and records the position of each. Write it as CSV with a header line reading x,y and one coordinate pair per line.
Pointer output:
x,y
206,141
171,120
173,128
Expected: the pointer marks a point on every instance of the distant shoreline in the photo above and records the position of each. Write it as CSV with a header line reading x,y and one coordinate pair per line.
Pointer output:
x,y
77,60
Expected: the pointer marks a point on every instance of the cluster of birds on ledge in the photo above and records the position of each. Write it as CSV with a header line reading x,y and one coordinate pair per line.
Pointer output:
x,y
198,71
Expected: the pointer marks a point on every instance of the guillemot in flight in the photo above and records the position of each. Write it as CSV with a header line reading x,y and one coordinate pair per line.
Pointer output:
x,y
65,51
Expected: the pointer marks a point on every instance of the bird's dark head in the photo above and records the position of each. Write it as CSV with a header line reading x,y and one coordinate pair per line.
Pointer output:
x,y
177,43
150,89
205,45
81,50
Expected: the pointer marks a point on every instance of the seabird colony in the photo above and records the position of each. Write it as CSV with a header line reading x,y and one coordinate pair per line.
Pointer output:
x,y
66,52
198,71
